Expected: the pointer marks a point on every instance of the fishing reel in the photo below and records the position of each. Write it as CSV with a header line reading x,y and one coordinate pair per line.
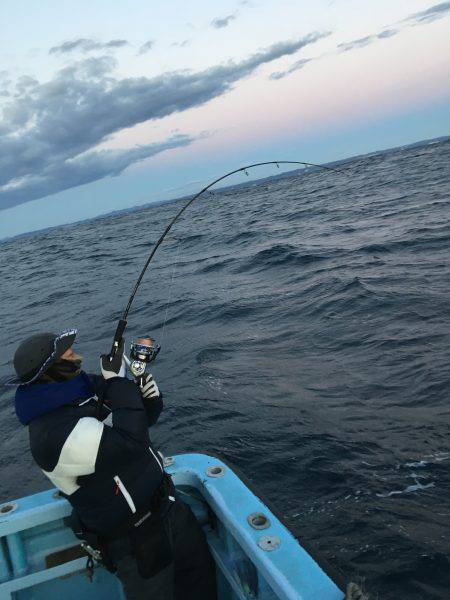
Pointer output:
x,y
142,352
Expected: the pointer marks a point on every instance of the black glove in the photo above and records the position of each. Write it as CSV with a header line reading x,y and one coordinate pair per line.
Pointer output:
x,y
114,367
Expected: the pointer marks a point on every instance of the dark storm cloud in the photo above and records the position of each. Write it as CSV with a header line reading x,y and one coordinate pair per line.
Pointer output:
x,y
146,47
49,133
86,45
221,22
435,12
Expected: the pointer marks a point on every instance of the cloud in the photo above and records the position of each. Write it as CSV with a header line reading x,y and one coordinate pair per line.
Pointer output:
x,y
50,132
5,84
435,12
86,45
182,44
359,43
369,39
86,168
24,83
386,33
221,22
146,47
295,67
438,11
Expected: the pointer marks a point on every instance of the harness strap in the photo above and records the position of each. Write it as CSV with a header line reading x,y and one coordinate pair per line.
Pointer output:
x,y
96,545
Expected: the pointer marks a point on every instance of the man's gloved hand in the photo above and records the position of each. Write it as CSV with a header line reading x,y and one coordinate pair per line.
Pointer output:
x,y
116,366
148,387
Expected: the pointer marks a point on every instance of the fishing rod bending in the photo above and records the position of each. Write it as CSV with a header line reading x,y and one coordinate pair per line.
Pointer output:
x,y
123,321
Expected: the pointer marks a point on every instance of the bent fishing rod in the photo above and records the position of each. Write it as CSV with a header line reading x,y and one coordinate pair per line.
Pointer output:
x,y
121,326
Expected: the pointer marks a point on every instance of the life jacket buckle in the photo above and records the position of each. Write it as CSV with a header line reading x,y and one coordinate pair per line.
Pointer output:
x,y
93,553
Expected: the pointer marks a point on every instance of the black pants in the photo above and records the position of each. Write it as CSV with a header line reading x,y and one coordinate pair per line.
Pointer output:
x,y
191,575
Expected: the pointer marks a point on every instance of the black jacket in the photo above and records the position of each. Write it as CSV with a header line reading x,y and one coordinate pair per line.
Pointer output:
x,y
106,467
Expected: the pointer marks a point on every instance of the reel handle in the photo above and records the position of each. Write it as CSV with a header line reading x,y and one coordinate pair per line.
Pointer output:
x,y
139,380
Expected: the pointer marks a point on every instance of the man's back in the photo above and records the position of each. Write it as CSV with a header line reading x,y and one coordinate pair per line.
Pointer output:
x,y
107,472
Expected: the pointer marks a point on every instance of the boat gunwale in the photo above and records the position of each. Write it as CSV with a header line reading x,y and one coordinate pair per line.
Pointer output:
x,y
293,573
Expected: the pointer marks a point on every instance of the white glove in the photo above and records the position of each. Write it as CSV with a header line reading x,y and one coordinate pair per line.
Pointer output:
x,y
113,367
148,386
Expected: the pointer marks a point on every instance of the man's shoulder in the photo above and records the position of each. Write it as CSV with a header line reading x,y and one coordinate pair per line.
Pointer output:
x,y
50,433
60,422
54,418
97,382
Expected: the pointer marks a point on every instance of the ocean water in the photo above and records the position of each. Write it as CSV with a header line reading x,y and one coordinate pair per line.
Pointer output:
x,y
305,337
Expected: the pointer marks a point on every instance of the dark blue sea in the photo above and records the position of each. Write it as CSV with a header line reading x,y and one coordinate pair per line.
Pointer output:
x,y
306,340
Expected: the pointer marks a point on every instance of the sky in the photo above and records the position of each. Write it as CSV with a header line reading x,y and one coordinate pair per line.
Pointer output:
x,y
105,106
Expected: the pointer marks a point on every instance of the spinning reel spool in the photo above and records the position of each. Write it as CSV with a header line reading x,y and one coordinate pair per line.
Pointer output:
x,y
142,352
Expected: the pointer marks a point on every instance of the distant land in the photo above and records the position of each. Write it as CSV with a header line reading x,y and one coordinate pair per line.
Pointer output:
x,y
250,182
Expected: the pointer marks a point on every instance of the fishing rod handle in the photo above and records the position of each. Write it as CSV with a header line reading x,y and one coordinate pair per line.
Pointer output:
x,y
121,325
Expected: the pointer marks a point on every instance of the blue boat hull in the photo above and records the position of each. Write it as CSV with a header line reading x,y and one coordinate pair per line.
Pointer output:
x,y
256,555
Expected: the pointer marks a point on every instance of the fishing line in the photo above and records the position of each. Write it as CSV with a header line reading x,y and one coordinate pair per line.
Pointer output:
x,y
123,321
175,264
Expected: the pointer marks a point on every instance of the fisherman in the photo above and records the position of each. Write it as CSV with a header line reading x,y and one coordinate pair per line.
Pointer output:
x,y
99,455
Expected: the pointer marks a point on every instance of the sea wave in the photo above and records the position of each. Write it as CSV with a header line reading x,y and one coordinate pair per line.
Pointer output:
x,y
304,330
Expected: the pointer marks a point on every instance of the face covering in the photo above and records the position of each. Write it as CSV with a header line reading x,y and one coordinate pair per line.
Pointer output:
x,y
62,370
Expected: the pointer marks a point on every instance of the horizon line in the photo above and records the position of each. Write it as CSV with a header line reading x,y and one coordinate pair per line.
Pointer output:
x,y
305,170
